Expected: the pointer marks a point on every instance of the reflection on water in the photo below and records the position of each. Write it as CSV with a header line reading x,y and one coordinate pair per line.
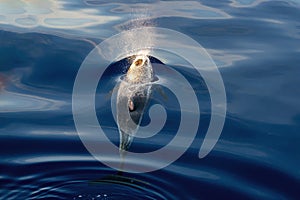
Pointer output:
x,y
49,14
255,44
83,16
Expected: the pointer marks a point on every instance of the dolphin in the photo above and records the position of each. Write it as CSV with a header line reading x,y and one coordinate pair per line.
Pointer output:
x,y
132,97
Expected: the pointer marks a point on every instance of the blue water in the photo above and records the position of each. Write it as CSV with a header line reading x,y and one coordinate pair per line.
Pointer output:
x,y
256,46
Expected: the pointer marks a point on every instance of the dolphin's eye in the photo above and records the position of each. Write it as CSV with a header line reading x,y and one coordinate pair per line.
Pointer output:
x,y
138,62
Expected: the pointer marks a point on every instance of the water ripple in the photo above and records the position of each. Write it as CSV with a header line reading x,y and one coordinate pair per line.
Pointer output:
x,y
25,103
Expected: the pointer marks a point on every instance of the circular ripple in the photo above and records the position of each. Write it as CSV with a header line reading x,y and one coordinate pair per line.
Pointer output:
x,y
78,180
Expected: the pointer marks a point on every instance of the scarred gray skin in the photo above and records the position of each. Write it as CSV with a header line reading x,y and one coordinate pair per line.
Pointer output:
x,y
132,98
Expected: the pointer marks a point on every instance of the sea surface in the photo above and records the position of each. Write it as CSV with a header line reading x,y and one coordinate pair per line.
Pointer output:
x,y
254,43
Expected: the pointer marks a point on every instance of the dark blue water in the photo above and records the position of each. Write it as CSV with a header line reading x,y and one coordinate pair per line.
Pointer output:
x,y
256,46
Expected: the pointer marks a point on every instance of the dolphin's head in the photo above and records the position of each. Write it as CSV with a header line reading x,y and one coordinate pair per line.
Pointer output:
x,y
140,70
